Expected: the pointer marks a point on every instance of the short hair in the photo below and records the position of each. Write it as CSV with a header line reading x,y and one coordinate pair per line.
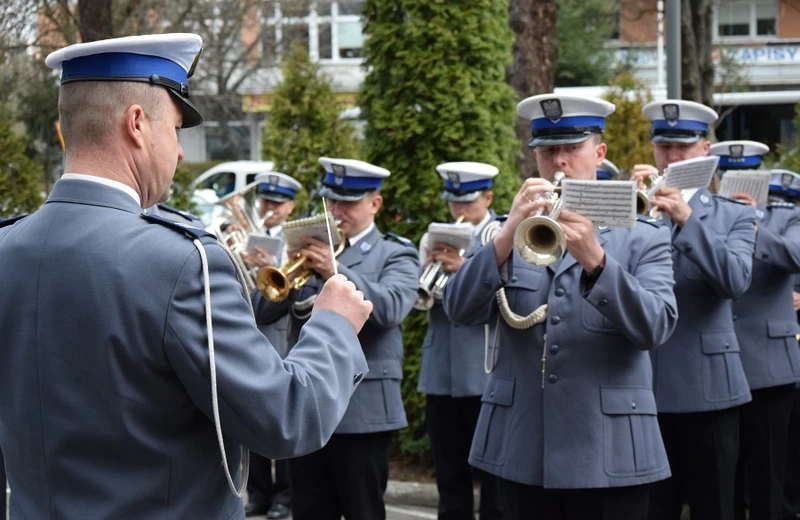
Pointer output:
x,y
89,110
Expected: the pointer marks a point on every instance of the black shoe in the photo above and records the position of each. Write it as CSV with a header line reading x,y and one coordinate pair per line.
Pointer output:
x,y
255,508
278,511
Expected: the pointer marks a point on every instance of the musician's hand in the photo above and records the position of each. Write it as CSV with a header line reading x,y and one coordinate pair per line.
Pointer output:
x,y
450,258
523,206
582,240
745,197
318,257
796,300
341,296
669,200
640,171
258,259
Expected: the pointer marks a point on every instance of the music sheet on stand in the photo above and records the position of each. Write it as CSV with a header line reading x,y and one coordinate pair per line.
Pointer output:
x,y
753,182
457,235
691,173
606,203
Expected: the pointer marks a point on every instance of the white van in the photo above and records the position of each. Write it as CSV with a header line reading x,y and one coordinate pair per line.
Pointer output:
x,y
220,180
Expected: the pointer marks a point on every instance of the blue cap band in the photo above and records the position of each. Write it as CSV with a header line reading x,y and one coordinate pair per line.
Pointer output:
x,y
727,162
680,124
267,188
568,122
780,189
357,183
466,187
604,175
121,65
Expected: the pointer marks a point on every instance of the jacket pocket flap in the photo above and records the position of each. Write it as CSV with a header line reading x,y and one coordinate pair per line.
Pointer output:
x,y
779,329
384,369
499,391
719,342
627,401
524,278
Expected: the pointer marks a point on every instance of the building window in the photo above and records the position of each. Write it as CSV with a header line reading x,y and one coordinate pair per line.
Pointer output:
x,y
743,19
351,39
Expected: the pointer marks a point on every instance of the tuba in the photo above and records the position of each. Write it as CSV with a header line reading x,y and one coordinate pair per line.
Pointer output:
x,y
432,282
652,185
275,283
239,220
539,239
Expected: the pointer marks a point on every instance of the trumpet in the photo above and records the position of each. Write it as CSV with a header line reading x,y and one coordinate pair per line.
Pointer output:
x,y
432,282
652,185
539,239
275,283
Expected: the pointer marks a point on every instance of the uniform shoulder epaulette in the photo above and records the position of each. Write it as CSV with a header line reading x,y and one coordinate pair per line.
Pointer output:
x,y
647,219
184,214
399,239
189,231
784,205
13,220
728,199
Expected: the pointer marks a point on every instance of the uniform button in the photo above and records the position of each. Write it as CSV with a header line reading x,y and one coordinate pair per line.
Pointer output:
x,y
456,325
633,405
554,349
555,320
487,284
560,292
552,379
687,249
385,371
727,345
358,377
513,279
491,394
735,317
603,303
764,255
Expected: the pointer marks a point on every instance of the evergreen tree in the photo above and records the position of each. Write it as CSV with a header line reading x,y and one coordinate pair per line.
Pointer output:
x,y
627,131
305,124
584,28
435,92
20,189
790,155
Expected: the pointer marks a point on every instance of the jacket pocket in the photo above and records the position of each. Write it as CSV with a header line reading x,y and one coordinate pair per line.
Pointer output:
x,y
489,441
522,290
632,439
382,401
783,352
723,374
594,320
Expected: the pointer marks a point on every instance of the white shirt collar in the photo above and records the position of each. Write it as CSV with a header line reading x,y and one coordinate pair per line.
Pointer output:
x,y
688,194
275,231
108,182
354,240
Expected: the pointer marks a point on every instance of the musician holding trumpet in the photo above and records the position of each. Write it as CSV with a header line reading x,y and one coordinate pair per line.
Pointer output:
x,y
700,382
568,421
349,475
452,370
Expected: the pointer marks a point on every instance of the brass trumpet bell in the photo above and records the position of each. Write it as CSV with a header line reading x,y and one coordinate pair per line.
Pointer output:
x,y
539,239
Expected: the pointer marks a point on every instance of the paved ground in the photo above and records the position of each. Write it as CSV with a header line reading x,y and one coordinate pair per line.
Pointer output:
x,y
397,513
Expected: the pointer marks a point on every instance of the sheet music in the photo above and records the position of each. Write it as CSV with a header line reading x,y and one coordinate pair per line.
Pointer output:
x,y
691,173
272,245
296,231
457,235
606,203
753,182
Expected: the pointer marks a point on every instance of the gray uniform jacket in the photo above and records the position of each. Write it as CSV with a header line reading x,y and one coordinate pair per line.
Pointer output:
x,y
586,417
699,369
387,273
765,320
105,395
453,354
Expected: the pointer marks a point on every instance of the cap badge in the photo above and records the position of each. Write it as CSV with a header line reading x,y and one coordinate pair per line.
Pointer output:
x,y
273,182
736,151
454,180
551,108
786,180
672,113
339,171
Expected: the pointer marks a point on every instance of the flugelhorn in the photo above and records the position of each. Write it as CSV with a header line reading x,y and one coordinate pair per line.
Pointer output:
x,y
652,185
432,282
275,283
539,239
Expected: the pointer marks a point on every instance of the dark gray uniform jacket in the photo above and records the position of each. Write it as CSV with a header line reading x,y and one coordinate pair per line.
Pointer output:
x,y
765,320
105,396
699,369
586,418
387,273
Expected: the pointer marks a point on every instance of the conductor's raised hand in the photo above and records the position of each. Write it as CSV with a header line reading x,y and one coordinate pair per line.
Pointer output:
x,y
341,296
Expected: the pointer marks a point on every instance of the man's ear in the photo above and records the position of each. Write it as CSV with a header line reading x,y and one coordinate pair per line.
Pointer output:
x,y
133,122
376,203
600,151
